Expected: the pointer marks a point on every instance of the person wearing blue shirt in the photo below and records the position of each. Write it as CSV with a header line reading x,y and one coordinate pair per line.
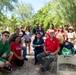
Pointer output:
x,y
38,43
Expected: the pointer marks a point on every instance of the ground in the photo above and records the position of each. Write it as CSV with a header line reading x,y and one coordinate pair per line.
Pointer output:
x,y
28,68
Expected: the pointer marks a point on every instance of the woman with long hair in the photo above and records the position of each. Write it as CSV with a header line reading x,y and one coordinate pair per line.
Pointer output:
x,y
16,49
38,46
28,37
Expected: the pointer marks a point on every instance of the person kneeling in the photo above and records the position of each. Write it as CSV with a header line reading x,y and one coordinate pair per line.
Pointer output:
x,y
5,53
16,49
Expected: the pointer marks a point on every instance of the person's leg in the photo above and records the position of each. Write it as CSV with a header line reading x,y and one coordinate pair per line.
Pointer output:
x,y
24,52
10,55
8,66
2,64
48,62
35,54
18,62
28,47
7,63
40,56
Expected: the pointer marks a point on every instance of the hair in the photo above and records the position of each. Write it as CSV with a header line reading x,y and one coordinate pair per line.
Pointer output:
x,y
35,39
5,32
27,27
16,29
16,37
52,25
60,27
36,35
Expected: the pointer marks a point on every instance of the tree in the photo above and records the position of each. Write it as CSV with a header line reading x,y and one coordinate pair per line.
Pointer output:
x,y
7,5
58,12
24,10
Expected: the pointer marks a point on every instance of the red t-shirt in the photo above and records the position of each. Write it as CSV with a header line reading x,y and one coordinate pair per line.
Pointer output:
x,y
16,47
51,45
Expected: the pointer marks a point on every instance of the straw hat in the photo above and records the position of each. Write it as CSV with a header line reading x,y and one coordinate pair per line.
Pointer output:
x,y
71,27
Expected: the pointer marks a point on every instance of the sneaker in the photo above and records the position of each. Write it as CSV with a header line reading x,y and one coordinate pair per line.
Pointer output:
x,y
43,69
35,63
25,59
9,68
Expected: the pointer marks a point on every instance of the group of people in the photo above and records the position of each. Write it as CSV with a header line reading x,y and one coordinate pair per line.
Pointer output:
x,y
14,48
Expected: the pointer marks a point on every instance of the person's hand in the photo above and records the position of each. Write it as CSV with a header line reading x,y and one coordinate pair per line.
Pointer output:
x,y
52,53
38,45
4,55
47,52
20,58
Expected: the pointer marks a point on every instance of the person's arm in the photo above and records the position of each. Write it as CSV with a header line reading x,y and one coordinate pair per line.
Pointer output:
x,y
34,31
56,52
18,57
47,52
58,47
15,55
12,46
7,48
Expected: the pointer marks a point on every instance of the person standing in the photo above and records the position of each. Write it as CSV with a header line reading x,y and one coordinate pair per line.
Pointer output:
x,y
21,32
36,29
28,38
66,26
51,27
41,30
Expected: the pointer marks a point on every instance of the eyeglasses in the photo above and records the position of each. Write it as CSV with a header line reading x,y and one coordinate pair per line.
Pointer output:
x,y
51,32
6,35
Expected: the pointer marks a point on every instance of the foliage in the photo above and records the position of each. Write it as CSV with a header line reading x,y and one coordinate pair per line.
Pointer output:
x,y
57,12
6,5
24,10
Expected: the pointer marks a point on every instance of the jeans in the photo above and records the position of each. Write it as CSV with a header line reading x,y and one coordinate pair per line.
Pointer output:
x,y
36,52
24,51
45,64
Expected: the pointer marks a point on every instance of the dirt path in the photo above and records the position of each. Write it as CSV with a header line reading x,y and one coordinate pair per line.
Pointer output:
x,y
28,68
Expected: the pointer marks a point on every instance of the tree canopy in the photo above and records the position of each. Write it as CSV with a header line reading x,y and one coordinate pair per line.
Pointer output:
x,y
57,12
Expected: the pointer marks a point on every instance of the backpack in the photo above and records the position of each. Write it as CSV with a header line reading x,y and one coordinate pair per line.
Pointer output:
x,y
66,51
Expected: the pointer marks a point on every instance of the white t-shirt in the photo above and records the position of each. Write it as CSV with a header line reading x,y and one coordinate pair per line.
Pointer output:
x,y
27,35
71,36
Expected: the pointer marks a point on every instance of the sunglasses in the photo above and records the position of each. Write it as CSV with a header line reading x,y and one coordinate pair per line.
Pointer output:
x,y
6,35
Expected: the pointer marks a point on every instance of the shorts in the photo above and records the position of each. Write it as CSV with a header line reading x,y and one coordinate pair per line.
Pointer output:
x,y
3,59
28,41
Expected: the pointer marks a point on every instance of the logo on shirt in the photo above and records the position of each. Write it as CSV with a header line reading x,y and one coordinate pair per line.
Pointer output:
x,y
18,48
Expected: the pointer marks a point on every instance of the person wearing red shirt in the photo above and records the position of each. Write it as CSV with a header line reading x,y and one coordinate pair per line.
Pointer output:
x,y
16,49
51,48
